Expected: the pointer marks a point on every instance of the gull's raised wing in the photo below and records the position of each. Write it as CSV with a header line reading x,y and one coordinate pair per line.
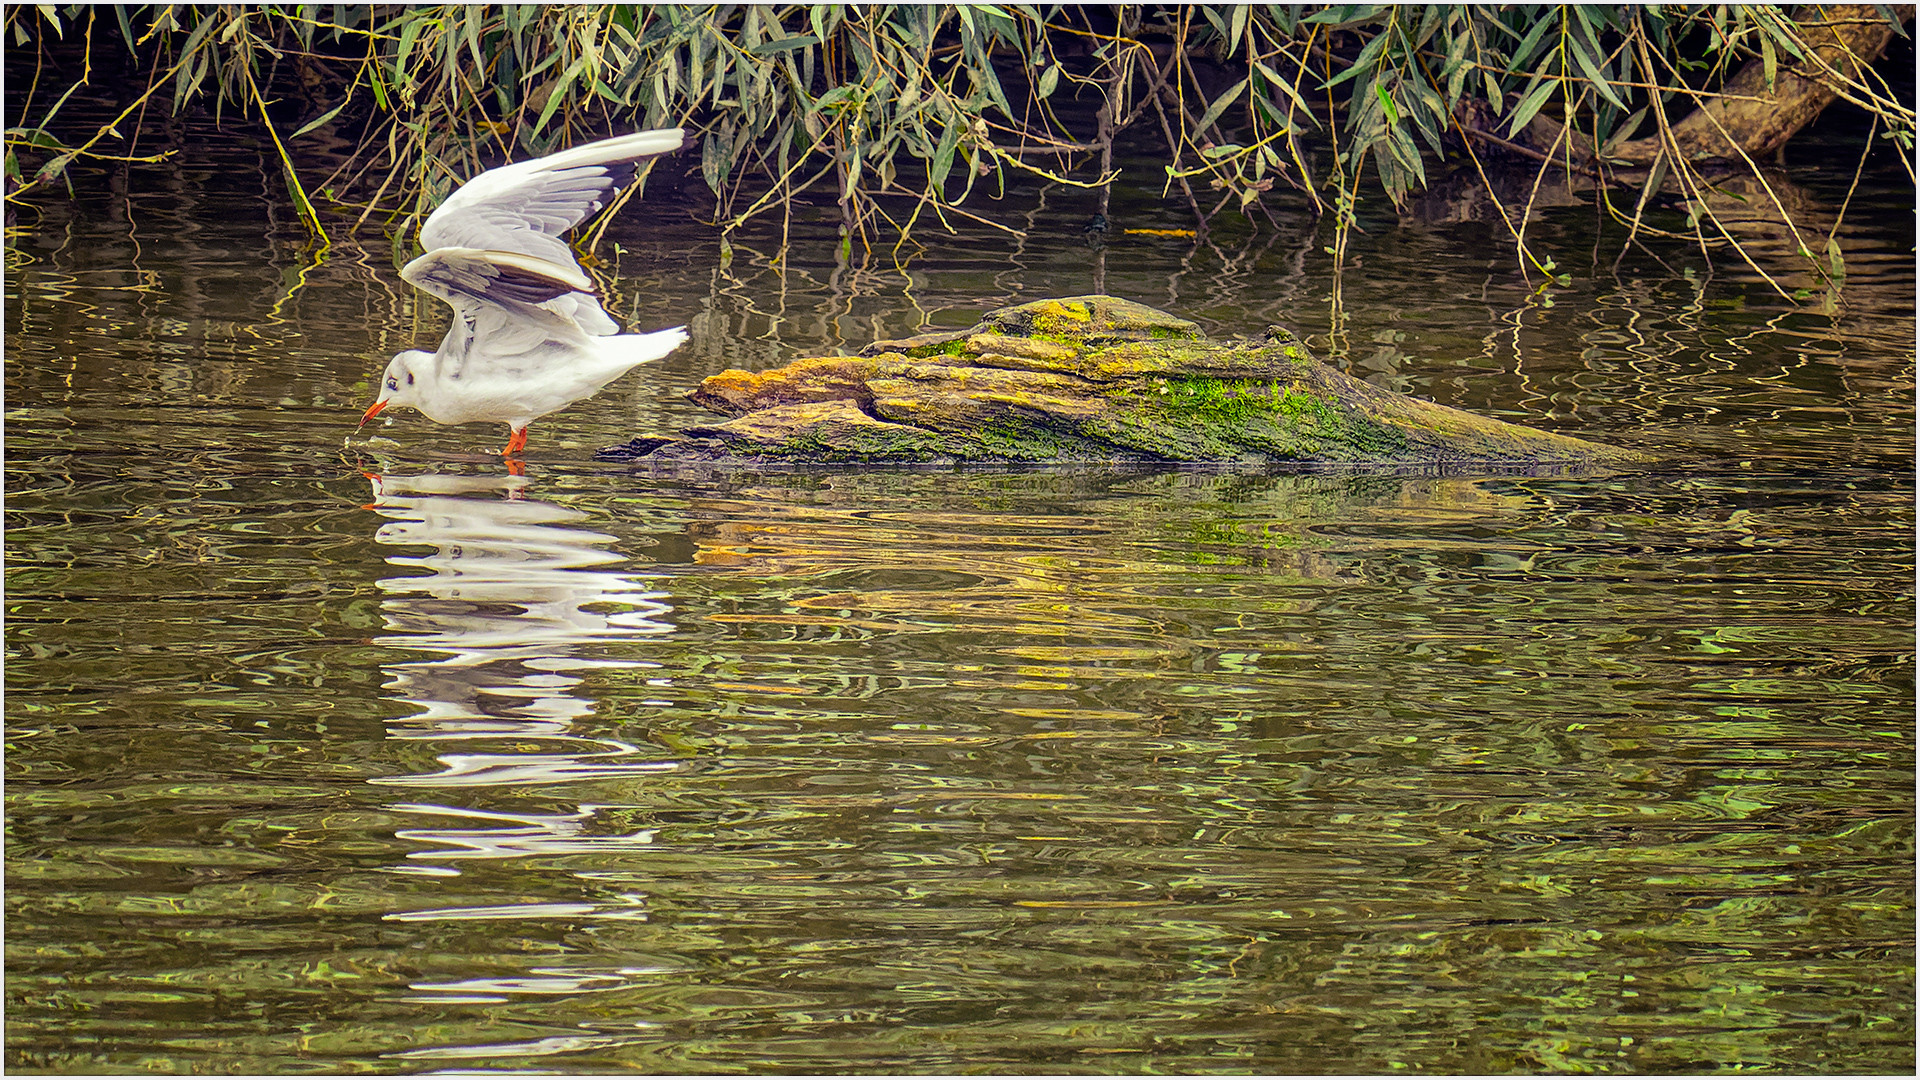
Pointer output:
x,y
527,207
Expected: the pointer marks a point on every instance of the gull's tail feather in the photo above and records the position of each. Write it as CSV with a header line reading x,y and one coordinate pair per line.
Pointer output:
x,y
628,350
641,348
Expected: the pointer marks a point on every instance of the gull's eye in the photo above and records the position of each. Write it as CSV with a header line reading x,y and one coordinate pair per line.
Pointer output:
x,y
393,384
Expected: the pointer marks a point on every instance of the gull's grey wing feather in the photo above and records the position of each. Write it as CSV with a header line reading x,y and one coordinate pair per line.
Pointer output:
x,y
489,337
527,207
586,313
463,276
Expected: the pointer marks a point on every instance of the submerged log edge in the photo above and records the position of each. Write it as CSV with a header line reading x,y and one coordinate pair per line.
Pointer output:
x,y
1089,380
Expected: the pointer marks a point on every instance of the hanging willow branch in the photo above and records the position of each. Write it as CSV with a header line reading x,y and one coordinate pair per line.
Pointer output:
x,y
928,104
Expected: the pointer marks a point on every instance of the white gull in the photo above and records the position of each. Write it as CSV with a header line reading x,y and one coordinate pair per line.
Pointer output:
x,y
529,336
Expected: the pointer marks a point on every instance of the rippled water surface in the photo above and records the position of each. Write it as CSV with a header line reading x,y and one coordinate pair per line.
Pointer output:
x,y
377,758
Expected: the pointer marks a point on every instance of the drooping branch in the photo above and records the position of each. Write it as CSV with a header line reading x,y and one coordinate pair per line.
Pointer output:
x,y
1747,117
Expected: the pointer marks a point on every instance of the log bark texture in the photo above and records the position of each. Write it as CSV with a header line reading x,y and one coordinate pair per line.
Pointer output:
x,y
1090,379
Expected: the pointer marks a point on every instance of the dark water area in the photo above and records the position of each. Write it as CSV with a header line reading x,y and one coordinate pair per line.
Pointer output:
x,y
331,756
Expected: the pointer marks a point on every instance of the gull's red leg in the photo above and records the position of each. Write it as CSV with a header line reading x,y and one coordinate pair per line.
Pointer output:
x,y
516,441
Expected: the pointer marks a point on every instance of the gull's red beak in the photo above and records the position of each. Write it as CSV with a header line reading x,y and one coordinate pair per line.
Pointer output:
x,y
373,410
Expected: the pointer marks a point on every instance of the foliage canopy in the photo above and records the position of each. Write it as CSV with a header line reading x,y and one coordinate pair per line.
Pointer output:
x,y
898,112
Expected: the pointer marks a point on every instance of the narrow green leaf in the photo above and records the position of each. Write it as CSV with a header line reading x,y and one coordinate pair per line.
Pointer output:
x,y
409,33
198,35
1894,16
714,165
992,11
126,28
1274,80
1213,17
53,168
1524,112
471,30
1454,72
560,93
1049,80
1386,104
1221,104
1364,62
1524,55
36,137
769,48
985,77
1269,110
1624,131
831,98
47,117
1341,16
319,120
379,87
1590,68
942,163
1429,22
1429,116
1501,25
750,34
1408,154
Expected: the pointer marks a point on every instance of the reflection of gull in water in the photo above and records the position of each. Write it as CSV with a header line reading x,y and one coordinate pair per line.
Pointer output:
x,y
555,1044
514,603
513,597
513,836
508,581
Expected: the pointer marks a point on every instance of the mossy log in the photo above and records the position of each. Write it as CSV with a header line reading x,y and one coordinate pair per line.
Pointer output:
x,y
1090,379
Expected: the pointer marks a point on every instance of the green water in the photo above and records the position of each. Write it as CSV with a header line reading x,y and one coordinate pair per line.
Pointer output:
x,y
331,758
